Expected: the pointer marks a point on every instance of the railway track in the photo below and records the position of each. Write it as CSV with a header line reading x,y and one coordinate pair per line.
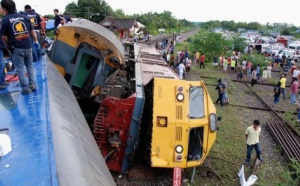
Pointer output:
x,y
286,137
159,38
283,133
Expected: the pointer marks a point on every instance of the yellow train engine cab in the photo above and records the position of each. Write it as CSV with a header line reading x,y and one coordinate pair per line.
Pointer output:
x,y
181,123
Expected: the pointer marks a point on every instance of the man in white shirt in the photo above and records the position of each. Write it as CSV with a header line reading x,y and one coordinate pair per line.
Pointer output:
x,y
168,57
254,77
296,73
244,64
181,69
252,140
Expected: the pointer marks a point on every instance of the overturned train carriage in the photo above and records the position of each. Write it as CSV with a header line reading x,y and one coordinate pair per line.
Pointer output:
x,y
143,105
178,126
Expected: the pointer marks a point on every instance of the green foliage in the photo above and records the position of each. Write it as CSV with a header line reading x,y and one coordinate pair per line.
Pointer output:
x,y
119,13
210,44
152,20
94,10
256,59
231,25
239,44
211,24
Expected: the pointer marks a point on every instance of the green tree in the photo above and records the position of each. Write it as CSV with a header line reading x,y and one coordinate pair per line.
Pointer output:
x,y
94,10
239,44
230,25
210,44
119,13
254,26
72,9
211,25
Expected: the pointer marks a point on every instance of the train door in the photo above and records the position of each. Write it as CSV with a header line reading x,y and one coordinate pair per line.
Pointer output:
x,y
87,67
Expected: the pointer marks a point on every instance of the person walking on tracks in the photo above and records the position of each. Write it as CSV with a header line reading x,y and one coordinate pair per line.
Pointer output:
x,y
294,89
252,141
283,83
277,92
221,90
254,78
181,69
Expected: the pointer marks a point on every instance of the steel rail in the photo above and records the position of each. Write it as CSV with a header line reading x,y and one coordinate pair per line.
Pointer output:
x,y
282,134
279,140
286,138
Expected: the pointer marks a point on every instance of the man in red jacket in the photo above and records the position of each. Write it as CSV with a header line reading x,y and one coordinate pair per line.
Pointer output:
x,y
202,59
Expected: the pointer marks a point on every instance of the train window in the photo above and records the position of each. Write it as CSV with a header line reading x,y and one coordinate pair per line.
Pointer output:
x,y
195,148
196,102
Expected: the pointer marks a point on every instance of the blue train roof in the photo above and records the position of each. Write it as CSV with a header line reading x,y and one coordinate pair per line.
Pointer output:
x,y
51,141
31,161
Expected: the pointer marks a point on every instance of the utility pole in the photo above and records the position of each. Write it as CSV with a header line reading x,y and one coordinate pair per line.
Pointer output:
x,y
88,9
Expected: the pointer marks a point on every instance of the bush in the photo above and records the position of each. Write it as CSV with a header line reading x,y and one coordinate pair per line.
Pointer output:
x,y
256,59
209,43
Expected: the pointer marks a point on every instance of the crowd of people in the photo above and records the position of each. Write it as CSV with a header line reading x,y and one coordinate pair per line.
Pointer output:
x,y
181,62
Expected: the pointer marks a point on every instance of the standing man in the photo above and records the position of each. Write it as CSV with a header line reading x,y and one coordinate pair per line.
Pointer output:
x,y
294,89
215,61
16,31
35,19
258,71
252,140
277,91
181,69
221,90
282,86
57,20
254,78
197,57
202,60
296,73
37,24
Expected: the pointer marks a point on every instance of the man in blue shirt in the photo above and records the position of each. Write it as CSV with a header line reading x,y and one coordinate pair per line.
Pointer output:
x,y
3,84
34,18
37,24
57,20
16,32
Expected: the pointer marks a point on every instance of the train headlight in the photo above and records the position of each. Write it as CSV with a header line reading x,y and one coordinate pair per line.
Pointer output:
x,y
213,122
180,97
179,149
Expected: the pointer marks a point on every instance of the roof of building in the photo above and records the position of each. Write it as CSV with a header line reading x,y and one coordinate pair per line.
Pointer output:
x,y
120,23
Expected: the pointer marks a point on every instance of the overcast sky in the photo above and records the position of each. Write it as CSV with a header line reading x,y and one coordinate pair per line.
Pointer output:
x,y
262,11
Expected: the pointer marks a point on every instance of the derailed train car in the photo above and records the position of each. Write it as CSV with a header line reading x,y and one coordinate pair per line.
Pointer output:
x,y
142,103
